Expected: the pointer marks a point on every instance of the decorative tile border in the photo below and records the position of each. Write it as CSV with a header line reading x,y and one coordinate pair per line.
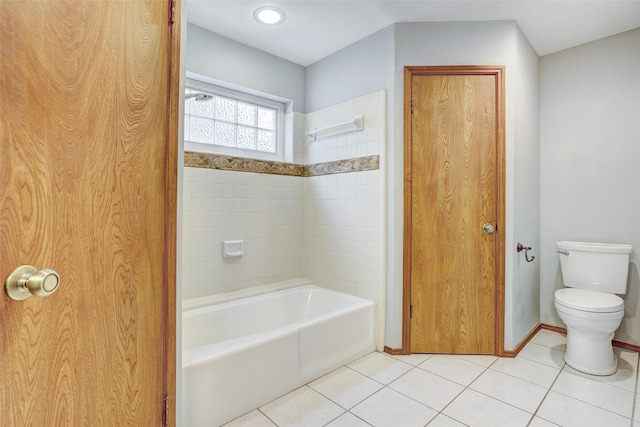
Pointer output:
x,y
357,164
239,164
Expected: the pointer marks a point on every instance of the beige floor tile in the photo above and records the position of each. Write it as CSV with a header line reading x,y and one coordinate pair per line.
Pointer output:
x,y
623,378
346,387
543,354
252,419
480,359
541,422
627,359
443,421
550,339
514,391
427,388
413,359
568,412
476,409
380,367
527,370
348,420
388,408
303,407
452,368
596,393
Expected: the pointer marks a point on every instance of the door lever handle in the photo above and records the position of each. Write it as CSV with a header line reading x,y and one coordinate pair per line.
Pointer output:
x,y
26,280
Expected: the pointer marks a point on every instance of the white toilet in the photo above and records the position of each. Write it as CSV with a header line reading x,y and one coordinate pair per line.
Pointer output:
x,y
592,274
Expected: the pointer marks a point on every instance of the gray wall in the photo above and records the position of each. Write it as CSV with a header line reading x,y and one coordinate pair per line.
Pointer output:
x,y
526,190
237,65
377,62
359,69
590,160
480,43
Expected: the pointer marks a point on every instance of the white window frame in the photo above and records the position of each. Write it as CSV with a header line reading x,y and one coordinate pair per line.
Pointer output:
x,y
199,86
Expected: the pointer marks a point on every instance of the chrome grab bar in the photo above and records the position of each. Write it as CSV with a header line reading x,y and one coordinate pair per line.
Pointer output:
x,y
564,253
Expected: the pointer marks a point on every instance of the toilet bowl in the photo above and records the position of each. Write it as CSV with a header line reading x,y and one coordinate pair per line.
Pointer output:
x,y
593,273
592,318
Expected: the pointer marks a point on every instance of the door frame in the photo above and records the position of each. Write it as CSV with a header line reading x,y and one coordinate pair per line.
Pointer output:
x,y
498,73
171,165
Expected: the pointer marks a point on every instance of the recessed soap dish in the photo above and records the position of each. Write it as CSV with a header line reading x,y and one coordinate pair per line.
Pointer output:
x,y
232,248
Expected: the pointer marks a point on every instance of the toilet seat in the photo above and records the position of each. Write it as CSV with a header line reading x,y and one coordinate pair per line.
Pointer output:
x,y
589,301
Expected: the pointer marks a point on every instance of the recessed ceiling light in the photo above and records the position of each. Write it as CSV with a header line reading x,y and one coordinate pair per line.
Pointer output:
x,y
269,15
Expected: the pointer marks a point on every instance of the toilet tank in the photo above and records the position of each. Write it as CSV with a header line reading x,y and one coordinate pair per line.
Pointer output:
x,y
600,267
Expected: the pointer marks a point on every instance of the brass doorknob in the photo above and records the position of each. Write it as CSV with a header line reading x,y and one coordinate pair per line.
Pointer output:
x,y
488,228
26,280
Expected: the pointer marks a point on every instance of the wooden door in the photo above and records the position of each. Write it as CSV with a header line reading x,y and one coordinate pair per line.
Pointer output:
x,y
452,188
88,151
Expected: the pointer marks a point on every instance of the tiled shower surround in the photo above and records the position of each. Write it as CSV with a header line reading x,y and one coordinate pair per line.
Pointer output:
x,y
323,219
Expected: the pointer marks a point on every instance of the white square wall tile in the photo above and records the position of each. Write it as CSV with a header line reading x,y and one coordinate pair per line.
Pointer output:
x,y
388,408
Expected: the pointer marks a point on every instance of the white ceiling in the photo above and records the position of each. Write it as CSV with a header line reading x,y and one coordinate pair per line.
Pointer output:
x,y
314,29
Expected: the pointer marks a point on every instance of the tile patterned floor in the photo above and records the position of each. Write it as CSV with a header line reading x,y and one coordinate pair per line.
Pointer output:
x,y
535,389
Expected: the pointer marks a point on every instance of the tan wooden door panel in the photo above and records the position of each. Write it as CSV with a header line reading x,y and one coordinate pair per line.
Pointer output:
x,y
87,184
453,184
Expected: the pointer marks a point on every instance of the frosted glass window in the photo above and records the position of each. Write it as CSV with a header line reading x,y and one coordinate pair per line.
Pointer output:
x,y
266,141
201,130
246,137
267,118
200,108
247,114
225,109
225,134
234,125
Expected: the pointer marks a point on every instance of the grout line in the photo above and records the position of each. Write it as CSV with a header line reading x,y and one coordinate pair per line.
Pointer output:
x,y
412,367
458,395
267,417
635,393
546,394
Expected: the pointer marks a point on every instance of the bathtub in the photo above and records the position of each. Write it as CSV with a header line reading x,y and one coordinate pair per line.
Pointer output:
x,y
238,355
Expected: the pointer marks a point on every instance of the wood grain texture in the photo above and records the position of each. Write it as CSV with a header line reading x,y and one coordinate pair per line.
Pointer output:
x,y
452,186
84,148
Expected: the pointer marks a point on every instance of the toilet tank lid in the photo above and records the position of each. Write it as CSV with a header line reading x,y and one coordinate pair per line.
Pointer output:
x,y
586,300
595,247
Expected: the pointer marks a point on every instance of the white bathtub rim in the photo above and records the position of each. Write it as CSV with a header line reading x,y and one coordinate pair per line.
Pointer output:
x,y
194,356
194,303
205,352
267,292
